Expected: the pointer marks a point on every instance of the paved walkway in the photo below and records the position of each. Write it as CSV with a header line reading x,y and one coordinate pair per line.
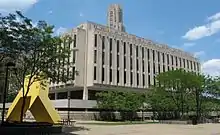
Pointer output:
x,y
150,129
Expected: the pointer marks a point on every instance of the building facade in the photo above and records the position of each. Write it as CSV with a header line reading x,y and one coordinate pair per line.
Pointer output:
x,y
108,58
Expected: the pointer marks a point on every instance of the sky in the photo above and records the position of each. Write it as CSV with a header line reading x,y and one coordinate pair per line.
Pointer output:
x,y
190,25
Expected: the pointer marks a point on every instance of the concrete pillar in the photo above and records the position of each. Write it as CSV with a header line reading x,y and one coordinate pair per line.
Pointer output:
x,y
56,95
85,93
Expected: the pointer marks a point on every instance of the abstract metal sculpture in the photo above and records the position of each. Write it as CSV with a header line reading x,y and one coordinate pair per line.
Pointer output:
x,y
37,101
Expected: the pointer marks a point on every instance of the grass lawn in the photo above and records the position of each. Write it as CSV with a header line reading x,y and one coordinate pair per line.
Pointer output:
x,y
117,123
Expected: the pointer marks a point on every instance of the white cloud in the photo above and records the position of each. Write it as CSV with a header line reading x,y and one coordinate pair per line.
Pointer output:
x,y
60,30
189,44
211,67
7,6
214,17
81,14
208,29
199,54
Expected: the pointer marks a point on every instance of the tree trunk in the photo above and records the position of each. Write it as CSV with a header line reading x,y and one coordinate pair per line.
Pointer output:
x,y
22,106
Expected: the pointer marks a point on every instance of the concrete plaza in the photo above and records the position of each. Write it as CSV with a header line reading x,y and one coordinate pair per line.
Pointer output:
x,y
150,129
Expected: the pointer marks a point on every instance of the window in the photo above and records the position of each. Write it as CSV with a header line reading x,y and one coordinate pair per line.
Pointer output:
x,y
117,76
124,77
131,78
124,62
62,95
148,54
117,46
143,66
158,68
73,73
184,63
124,47
158,56
163,57
131,49
168,59
148,67
180,62
74,45
131,64
154,69
95,56
95,44
153,55
176,61
136,51
94,73
110,75
110,44
137,79
163,68
103,57
143,79
118,61
171,60
142,52
154,81
149,80
74,56
137,65
110,60
191,65
103,42
187,64
103,74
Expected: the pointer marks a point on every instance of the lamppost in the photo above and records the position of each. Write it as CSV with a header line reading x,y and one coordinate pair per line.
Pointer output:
x,y
8,65
68,113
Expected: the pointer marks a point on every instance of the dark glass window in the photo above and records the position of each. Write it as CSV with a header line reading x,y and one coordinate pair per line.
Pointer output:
x,y
110,44
124,47
94,72
103,42
131,49
117,46
95,44
110,75
103,74
124,77
117,76
143,80
74,45
95,56
136,51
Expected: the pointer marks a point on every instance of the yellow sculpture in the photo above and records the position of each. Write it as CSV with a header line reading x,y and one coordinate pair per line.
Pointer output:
x,y
37,101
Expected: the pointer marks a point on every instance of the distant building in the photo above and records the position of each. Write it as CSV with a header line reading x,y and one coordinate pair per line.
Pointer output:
x,y
108,58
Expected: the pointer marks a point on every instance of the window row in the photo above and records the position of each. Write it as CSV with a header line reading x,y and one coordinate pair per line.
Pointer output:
x,y
141,52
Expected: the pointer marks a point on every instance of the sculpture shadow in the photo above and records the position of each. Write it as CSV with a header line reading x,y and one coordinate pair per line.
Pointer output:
x,y
67,130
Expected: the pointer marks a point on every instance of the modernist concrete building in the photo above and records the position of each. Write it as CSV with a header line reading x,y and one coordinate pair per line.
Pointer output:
x,y
108,58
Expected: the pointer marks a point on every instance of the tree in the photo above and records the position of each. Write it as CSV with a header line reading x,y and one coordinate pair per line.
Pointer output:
x,y
38,53
126,102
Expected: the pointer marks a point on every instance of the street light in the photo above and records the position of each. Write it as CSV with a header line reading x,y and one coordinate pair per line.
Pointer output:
x,y
8,65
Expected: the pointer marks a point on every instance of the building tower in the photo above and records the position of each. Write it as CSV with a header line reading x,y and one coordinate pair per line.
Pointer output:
x,y
115,17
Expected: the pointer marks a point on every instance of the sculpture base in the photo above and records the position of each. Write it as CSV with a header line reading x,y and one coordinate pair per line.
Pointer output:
x,y
30,128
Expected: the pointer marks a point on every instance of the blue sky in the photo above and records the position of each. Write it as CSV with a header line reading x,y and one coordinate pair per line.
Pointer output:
x,y
191,25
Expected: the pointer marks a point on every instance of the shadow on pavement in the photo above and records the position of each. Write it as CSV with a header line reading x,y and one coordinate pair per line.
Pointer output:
x,y
68,129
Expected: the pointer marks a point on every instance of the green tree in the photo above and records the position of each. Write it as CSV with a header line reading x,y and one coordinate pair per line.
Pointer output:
x,y
126,102
38,53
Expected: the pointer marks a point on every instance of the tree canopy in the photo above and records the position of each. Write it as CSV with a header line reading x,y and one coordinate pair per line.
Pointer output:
x,y
34,49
